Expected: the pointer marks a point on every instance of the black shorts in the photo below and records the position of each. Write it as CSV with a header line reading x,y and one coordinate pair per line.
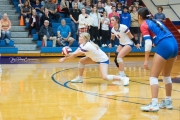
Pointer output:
x,y
134,30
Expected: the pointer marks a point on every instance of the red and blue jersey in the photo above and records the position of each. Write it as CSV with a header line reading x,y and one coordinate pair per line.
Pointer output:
x,y
150,30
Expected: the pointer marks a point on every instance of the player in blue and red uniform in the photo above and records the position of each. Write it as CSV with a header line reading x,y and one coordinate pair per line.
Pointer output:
x,y
166,52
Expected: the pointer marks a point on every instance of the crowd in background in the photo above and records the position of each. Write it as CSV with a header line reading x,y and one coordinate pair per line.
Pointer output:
x,y
91,16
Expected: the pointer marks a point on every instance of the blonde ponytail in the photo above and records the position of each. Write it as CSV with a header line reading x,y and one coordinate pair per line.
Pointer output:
x,y
87,37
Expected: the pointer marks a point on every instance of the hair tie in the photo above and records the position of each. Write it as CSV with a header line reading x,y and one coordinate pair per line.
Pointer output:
x,y
148,15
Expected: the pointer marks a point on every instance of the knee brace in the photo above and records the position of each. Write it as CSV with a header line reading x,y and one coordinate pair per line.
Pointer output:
x,y
80,65
115,59
167,80
110,77
153,81
119,60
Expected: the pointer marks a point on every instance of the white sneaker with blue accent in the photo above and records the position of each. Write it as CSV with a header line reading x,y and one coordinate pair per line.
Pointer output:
x,y
77,80
166,104
121,74
152,107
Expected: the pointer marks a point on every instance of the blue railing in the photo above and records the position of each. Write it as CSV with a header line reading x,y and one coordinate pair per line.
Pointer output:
x,y
169,5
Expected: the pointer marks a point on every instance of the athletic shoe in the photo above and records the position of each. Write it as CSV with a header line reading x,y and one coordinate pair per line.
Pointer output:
x,y
105,45
115,45
77,80
121,75
152,107
125,81
166,104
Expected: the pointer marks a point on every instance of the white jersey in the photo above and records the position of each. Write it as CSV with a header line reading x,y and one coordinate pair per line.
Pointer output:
x,y
97,55
121,34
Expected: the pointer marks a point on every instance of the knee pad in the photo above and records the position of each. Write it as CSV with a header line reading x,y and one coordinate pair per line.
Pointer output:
x,y
153,81
115,59
167,80
110,77
80,65
119,60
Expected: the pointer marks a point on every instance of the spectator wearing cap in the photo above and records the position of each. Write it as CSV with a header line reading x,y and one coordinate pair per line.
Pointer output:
x,y
160,16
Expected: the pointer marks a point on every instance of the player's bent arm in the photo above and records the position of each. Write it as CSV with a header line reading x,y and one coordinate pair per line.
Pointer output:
x,y
132,37
112,36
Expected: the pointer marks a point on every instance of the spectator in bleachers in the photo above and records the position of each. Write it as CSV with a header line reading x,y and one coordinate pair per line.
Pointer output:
x,y
32,2
124,2
38,8
113,3
76,1
105,29
82,4
134,23
119,8
125,18
65,7
130,9
160,16
113,13
26,11
64,31
55,1
85,21
44,17
100,8
96,25
5,28
137,3
22,2
108,7
88,7
100,11
46,33
43,2
74,15
34,22
52,10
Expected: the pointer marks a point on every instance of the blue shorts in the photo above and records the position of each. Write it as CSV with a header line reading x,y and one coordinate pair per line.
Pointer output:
x,y
105,62
167,48
127,44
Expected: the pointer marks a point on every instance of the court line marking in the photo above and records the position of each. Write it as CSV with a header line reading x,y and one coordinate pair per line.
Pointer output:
x,y
97,94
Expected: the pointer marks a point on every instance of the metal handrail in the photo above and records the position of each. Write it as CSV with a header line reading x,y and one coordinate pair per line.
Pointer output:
x,y
169,6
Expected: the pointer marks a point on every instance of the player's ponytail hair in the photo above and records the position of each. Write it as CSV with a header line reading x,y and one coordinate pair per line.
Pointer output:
x,y
145,14
87,37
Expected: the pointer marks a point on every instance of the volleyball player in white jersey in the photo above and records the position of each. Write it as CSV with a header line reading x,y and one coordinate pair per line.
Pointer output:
x,y
93,55
126,40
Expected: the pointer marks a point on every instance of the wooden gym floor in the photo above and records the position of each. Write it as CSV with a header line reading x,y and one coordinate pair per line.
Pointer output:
x,y
43,92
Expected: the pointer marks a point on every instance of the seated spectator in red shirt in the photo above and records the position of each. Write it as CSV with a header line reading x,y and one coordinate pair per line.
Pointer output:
x,y
33,23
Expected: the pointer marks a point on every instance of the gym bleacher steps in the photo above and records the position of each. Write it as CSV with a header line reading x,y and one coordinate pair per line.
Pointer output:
x,y
18,33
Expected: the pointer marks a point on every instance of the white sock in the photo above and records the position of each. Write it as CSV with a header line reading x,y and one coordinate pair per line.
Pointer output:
x,y
121,72
155,100
79,76
168,98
